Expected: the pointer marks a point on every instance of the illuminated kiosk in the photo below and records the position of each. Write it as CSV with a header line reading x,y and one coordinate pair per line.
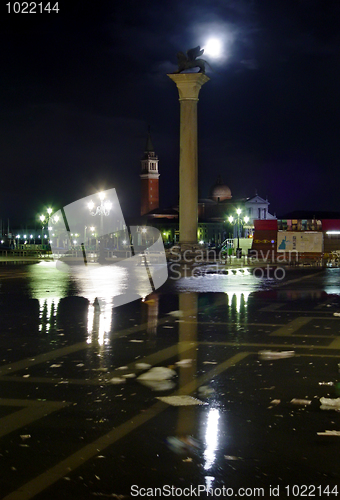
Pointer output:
x,y
188,85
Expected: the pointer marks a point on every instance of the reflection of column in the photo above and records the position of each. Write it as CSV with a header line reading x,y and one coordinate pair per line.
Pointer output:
x,y
187,373
152,318
189,85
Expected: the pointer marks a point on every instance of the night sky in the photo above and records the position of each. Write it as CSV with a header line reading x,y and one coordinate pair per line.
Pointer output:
x,y
80,87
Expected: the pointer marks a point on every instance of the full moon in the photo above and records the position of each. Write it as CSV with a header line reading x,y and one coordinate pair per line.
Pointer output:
x,y
213,47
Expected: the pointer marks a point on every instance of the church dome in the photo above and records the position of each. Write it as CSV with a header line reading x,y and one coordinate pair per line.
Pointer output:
x,y
220,191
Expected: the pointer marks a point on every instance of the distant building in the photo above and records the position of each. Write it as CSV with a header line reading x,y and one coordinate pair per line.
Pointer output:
x,y
213,212
301,234
149,179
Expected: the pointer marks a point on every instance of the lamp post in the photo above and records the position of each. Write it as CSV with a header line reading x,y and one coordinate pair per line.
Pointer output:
x,y
104,211
237,221
44,219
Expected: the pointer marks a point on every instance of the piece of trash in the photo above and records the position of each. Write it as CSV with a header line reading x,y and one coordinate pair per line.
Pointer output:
x,y
336,314
55,366
122,368
158,385
272,355
181,400
326,383
305,402
176,314
117,380
80,364
129,375
210,362
329,433
205,390
231,457
165,326
136,340
181,445
275,402
158,373
330,404
25,436
26,376
99,369
187,459
142,366
184,362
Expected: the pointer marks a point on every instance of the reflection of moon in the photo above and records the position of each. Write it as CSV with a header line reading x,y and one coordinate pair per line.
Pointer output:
x,y
213,47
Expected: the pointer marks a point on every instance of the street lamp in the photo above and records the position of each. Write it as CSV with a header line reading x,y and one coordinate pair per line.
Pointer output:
x,y
102,209
237,221
45,219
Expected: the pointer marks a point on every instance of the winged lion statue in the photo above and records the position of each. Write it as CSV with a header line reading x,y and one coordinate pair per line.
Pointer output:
x,y
189,60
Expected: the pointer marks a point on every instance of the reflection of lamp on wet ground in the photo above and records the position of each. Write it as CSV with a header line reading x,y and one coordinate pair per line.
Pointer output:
x,y
238,221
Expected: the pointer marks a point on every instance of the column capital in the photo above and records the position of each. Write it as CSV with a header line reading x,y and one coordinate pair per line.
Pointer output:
x,y
189,84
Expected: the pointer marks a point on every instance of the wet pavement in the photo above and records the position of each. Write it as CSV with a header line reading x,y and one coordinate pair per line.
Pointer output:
x,y
242,362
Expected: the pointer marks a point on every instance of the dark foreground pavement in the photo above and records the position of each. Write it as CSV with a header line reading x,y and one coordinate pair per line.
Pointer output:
x,y
75,421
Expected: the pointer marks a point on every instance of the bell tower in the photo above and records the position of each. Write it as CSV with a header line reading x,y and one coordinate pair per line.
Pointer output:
x,y
149,178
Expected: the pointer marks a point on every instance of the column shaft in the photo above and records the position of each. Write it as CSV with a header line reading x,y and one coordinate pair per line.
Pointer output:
x,y
188,85
188,173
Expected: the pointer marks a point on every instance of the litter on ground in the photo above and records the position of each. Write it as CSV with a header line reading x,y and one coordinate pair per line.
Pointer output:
x,y
330,404
272,355
181,400
205,390
184,362
158,373
329,433
142,366
158,385
176,314
117,380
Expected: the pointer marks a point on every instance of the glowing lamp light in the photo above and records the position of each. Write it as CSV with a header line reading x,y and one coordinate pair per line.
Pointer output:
x,y
144,230
238,211
230,218
246,219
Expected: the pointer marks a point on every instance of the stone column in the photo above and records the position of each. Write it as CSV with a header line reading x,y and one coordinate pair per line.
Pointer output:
x,y
189,85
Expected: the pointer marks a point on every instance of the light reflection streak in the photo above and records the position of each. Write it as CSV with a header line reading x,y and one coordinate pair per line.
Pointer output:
x,y
237,299
47,312
211,438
